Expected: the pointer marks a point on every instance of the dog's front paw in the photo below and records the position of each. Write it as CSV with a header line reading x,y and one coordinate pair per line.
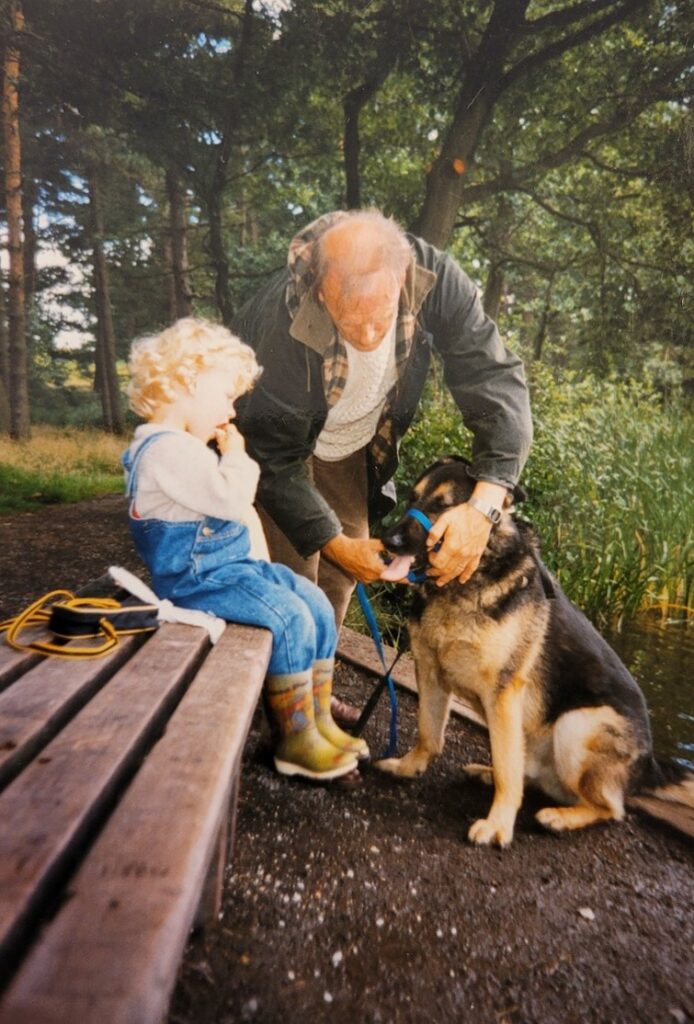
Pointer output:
x,y
488,832
406,767
481,772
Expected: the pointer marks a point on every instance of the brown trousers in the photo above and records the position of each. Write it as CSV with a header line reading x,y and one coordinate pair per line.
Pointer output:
x,y
343,484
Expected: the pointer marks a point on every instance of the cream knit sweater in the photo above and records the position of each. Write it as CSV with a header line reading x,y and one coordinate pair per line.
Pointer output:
x,y
181,479
352,421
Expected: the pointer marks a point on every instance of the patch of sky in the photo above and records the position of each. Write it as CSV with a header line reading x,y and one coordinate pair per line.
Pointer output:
x,y
214,44
144,199
78,192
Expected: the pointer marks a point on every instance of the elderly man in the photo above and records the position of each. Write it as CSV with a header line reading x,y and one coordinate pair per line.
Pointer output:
x,y
345,336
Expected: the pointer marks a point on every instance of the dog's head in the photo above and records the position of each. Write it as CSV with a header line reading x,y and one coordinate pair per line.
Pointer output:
x,y
444,484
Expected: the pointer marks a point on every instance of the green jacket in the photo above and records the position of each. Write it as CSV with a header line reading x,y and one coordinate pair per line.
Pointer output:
x,y
284,414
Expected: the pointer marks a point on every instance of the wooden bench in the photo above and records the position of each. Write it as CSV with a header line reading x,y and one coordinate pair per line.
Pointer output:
x,y
118,786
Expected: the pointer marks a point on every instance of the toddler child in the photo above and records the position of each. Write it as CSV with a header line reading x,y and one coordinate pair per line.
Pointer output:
x,y
194,525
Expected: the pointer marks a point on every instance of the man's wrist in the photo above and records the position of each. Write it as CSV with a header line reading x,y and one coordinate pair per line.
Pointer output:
x,y
335,547
490,512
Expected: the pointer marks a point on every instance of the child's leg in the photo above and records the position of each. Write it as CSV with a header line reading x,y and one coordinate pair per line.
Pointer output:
x,y
323,672
256,600
302,749
324,665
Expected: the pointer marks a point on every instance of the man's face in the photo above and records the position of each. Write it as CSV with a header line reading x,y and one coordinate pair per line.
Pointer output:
x,y
362,320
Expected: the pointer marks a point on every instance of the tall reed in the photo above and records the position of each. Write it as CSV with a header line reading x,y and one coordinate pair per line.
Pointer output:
x,y
610,488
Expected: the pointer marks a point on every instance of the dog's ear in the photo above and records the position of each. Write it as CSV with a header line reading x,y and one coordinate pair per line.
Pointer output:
x,y
446,460
517,495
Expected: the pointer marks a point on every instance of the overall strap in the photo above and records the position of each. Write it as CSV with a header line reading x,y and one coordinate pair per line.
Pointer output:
x,y
131,463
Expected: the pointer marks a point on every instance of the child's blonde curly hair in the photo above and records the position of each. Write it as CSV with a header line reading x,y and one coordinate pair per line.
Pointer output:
x,y
161,364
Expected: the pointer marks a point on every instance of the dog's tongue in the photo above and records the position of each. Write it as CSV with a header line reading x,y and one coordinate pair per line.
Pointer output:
x,y
398,568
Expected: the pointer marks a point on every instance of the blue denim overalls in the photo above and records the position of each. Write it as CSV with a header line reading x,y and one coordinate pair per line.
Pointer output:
x,y
205,564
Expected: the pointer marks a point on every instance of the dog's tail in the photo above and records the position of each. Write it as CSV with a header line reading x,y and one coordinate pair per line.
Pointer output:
x,y
667,780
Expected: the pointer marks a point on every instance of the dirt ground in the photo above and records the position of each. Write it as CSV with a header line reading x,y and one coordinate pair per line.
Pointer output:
x,y
369,905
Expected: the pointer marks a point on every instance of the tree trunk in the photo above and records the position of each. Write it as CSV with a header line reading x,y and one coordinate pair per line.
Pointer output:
x,y
493,290
481,85
546,317
352,146
4,363
498,236
214,196
18,391
182,288
30,241
4,337
107,375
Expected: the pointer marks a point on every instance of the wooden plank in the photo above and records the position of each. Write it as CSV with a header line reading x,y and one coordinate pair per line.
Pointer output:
x,y
14,664
360,650
36,708
54,807
677,815
112,952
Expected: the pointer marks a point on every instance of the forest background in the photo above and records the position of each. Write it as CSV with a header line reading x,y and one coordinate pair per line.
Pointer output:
x,y
158,155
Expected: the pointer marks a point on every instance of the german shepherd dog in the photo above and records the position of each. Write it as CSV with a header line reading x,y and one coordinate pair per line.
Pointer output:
x,y
563,711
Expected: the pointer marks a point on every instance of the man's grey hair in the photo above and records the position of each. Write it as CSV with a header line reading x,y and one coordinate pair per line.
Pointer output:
x,y
391,251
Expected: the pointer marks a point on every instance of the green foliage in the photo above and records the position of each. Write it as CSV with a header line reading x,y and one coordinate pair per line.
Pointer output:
x,y
609,482
58,465
22,490
611,490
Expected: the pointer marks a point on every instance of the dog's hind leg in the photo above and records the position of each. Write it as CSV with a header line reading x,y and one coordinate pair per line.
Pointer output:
x,y
504,713
481,772
593,749
434,704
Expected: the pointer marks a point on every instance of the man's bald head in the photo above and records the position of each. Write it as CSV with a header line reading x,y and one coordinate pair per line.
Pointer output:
x,y
359,267
360,250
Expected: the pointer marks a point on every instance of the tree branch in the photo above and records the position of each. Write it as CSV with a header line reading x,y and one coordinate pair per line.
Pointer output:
x,y
560,46
597,236
625,115
558,19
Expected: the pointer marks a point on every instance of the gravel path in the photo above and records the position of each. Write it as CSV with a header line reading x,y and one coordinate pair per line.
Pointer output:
x,y
369,905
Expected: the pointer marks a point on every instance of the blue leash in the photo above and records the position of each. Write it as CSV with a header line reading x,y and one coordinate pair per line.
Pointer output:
x,y
413,577
385,681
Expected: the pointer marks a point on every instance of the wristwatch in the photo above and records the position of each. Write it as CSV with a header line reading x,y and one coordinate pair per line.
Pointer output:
x,y
492,514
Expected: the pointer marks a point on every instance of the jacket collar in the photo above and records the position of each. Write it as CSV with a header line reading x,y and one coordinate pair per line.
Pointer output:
x,y
313,327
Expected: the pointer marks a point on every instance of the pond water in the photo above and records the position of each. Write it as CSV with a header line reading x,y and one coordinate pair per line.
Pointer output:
x,y
661,659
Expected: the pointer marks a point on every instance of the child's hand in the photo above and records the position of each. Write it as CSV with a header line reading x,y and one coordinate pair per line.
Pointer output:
x,y
229,439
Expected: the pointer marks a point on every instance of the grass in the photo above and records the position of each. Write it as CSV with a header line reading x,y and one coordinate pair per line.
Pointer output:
x,y
58,465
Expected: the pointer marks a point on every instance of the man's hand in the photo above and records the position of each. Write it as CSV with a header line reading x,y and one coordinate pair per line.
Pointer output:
x,y
359,558
464,532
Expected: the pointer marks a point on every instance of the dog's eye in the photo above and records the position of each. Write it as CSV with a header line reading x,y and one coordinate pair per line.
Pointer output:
x,y
443,500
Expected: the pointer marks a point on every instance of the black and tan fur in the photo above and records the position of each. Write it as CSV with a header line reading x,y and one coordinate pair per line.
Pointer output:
x,y
563,711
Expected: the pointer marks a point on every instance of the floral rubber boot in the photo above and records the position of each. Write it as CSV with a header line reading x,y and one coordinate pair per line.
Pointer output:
x,y
302,749
323,671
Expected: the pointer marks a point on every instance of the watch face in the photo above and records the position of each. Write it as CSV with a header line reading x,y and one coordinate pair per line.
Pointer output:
x,y
495,515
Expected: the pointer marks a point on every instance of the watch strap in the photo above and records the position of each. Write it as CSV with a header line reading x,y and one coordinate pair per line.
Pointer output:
x,y
492,514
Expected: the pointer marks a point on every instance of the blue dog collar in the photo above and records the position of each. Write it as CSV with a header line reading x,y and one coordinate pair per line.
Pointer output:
x,y
425,521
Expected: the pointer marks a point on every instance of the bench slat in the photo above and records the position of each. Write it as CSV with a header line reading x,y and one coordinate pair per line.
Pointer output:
x,y
13,664
112,952
58,801
49,695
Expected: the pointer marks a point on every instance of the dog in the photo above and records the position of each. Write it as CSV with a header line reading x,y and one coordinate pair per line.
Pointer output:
x,y
563,711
